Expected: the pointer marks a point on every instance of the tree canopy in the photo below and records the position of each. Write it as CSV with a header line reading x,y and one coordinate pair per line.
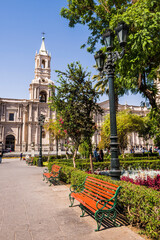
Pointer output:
x,y
76,103
127,122
138,69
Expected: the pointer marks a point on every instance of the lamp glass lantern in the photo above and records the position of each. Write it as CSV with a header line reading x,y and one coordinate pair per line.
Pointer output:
x,y
100,57
108,38
122,32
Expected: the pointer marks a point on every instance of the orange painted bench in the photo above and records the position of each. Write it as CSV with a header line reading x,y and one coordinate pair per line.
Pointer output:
x,y
98,196
52,176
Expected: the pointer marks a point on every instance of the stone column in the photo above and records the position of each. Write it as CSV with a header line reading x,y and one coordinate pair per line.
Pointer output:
x,y
24,128
36,138
29,134
30,112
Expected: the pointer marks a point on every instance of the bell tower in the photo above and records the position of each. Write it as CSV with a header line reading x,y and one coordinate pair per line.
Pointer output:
x,y
40,87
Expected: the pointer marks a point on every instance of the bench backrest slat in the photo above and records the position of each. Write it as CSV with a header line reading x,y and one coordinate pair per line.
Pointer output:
x,y
98,191
100,187
103,182
95,197
55,168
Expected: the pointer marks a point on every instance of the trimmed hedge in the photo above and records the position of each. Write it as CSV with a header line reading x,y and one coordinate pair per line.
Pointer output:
x,y
140,205
85,165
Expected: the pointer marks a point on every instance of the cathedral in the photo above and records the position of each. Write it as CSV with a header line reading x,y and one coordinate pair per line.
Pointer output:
x,y
19,128
19,118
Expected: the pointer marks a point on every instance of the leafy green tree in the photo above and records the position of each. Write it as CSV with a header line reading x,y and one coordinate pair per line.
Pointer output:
x,y
54,127
126,123
152,127
84,149
76,102
138,69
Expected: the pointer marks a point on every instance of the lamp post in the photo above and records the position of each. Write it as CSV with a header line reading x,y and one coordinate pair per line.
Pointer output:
x,y
108,68
40,122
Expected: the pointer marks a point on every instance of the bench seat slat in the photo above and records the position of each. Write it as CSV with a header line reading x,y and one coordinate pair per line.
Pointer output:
x,y
86,201
109,204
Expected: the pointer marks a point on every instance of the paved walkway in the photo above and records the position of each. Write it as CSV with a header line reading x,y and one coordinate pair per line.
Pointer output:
x,y
31,210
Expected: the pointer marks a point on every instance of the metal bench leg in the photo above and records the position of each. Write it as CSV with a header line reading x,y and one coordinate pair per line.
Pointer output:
x,y
99,218
71,200
83,210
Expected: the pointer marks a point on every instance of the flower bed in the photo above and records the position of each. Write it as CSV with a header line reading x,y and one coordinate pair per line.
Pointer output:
x,y
148,181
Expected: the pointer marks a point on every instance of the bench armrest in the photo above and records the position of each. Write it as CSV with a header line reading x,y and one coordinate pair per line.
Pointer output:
x,y
45,170
105,201
102,202
75,187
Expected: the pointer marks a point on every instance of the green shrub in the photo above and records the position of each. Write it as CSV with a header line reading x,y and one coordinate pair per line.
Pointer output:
x,y
35,161
84,164
144,164
44,158
146,154
140,204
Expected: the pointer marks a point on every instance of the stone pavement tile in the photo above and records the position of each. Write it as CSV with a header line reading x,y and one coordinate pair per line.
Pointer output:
x,y
14,218
49,225
7,236
7,233
23,235
43,235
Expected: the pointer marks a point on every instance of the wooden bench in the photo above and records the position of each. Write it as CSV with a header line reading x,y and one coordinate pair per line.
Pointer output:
x,y
29,161
98,196
52,176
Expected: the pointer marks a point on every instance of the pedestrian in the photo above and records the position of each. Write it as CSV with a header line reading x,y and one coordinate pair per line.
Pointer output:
x,y
150,150
143,150
159,151
21,155
1,154
95,154
101,155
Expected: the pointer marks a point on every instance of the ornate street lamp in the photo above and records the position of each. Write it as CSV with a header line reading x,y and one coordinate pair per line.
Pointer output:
x,y
40,122
108,68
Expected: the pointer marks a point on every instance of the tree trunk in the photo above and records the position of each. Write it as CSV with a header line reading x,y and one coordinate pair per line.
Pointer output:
x,y
147,92
123,153
67,156
57,146
90,155
74,157
91,162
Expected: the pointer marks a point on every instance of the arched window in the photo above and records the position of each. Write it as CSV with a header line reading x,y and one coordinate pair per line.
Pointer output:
x,y
43,64
48,64
42,96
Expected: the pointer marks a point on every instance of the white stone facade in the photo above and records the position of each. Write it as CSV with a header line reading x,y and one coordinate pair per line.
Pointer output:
x,y
19,129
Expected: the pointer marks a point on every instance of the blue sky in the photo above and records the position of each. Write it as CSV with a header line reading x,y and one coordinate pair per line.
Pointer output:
x,y
21,24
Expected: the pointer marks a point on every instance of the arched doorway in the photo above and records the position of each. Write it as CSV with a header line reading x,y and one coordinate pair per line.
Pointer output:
x,y
10,142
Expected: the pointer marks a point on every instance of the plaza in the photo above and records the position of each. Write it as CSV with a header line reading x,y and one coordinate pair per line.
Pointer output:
x,y
31,210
